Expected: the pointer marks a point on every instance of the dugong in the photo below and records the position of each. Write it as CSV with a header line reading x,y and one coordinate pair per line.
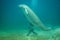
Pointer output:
x,y
32,18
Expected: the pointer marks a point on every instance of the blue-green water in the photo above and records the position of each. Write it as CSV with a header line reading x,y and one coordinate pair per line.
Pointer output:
x,y
13,20
11,16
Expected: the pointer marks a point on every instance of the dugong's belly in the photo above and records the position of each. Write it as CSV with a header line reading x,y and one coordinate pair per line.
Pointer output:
x,y
31,17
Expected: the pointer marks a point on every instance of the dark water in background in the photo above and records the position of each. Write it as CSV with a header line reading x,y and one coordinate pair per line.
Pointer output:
x,y
12,19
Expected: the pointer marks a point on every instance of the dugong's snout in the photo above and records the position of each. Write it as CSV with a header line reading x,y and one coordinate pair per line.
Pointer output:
x,y
22,6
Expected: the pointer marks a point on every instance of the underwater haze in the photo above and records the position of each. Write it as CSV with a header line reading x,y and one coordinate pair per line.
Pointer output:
x,y
14,25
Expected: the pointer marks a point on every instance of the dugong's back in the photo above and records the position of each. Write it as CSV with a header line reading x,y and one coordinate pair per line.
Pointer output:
x,y
32,17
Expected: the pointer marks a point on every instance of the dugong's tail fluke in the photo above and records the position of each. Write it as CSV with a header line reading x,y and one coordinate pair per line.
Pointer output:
x,y
32,17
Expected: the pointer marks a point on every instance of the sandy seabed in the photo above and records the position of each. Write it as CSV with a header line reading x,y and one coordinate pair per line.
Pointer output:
x,y
54,35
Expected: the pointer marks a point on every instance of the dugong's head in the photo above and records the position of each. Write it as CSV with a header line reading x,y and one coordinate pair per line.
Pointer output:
x,y
23,6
